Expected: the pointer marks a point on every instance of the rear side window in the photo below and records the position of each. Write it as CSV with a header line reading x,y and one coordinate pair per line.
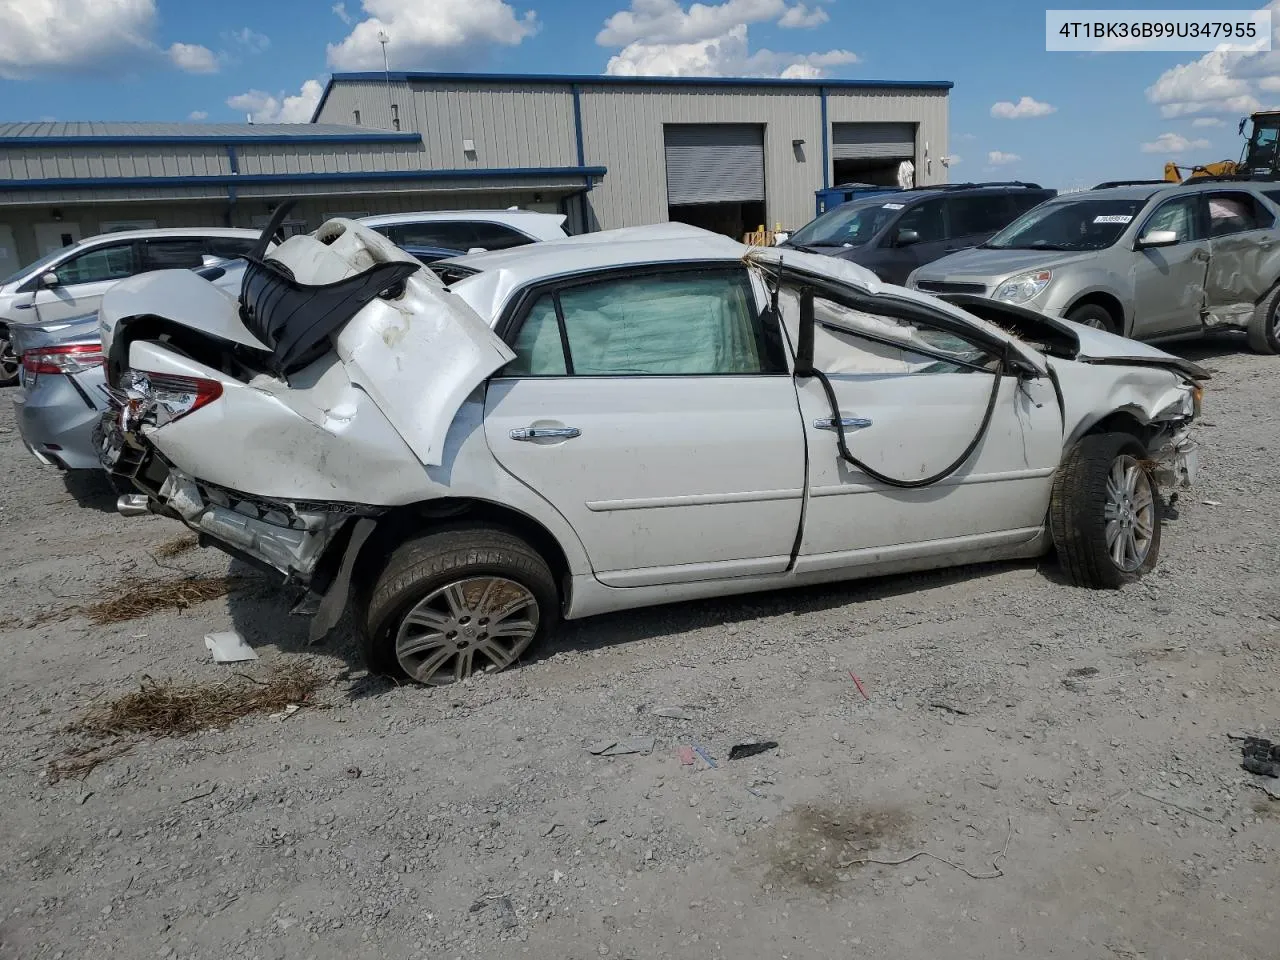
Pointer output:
x,y
102,263
177,254
978,214
1023,201
700,323
229,248
443,233
1233,211
498,236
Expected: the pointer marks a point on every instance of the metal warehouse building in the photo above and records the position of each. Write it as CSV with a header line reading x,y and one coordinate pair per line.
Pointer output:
x,y
728,154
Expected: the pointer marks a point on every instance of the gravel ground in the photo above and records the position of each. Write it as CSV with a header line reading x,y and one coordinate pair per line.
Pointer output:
x,y
1066,751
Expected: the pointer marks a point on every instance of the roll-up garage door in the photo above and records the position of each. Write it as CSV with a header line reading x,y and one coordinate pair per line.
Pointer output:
x,y
714,163
873,141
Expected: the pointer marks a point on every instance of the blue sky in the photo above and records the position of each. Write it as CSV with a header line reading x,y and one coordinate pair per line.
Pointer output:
x,y
1087,116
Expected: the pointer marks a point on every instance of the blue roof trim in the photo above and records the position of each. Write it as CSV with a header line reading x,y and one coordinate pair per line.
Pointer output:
x,y
593,80
242,139
250,179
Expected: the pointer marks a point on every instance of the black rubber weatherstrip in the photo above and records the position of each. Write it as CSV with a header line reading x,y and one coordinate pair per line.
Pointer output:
x,y
874,474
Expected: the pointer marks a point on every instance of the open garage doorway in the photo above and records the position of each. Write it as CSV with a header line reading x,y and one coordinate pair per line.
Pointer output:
x,y
715,176
870,152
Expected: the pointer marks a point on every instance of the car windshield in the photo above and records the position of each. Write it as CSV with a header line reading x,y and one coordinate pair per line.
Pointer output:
x,y
850,224
1068,225
35,267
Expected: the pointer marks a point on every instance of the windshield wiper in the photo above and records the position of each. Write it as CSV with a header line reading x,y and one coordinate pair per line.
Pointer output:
x,y
1037,246
803,247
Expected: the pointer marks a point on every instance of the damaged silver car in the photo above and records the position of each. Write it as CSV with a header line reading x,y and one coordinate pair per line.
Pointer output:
x,y
631,418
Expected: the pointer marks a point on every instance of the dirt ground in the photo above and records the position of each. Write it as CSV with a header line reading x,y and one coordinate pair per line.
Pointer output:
x,y
1063,757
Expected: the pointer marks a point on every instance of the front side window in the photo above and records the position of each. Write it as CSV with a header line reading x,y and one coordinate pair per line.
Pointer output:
x,y
99,264
1232,212
849,341
1069,225
229,248
926,220
696,323
449,234
1179,216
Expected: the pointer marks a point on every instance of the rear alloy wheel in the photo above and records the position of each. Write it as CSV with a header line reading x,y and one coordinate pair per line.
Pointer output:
x,y
1264,326
1105,513
9,361
1093,315
458,601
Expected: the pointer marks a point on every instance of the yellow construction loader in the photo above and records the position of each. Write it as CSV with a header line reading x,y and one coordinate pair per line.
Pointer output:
x,y
1258,159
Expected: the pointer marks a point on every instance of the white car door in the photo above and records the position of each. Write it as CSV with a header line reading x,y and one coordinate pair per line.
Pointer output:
x,y
909,415
655,411
83,278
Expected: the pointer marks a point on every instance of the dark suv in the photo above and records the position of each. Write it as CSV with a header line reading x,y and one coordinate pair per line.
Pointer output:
x,y
891,234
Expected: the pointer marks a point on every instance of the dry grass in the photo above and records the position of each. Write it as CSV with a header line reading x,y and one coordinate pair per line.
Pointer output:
x,y
176,547
78,762
163,709
140,598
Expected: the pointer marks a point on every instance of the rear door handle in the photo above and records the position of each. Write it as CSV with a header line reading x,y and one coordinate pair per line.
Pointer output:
x,y
23,306
849,423
545,433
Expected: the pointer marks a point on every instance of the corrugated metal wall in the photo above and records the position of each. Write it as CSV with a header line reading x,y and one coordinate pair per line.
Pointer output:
x,y
139,160
623,130
925,108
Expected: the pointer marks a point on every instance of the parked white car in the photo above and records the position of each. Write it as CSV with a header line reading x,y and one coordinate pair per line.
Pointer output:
x,y
606,422
70,282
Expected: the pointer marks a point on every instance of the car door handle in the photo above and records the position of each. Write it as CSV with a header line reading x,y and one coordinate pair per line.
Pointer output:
x,y
1202,255
849,423
545,433
23,306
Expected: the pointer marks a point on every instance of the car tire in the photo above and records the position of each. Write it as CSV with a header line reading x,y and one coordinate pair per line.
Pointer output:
x,y
9,361
1094,315
430,616
1264,326
1105,512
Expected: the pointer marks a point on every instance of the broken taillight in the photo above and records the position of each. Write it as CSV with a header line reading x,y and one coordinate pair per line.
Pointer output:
x,y
178,396
75,358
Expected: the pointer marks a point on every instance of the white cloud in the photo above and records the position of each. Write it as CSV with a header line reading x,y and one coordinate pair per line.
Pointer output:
x,y
1024,108
193,58
727,55
1206,122
197,115
435,35
251,40
654,22
800,17
1220,81
262,107
340,11
663,38
1174,143
81,36
998,158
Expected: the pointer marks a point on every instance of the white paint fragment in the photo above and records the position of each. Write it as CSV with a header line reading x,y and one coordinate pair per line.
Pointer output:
x,y
228,647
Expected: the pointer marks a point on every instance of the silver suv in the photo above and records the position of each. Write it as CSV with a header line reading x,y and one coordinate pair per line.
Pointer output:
x,y
1145,260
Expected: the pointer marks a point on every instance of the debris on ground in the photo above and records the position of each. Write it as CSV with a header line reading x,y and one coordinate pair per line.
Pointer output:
x,y
702,752
686,756
165,709
621,748
176,547
743,750
858,683
78,762
948,708
1261,757
138,598
228,647
674,713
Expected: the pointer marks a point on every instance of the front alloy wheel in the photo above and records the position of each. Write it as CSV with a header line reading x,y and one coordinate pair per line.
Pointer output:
x,y
1104,513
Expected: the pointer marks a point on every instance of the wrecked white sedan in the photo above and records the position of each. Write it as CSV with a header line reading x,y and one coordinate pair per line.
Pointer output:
x,y
630,418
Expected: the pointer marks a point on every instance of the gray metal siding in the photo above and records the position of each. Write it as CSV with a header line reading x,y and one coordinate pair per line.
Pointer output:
x,y
328,158
927,109
44,163
623,130
857,141
714,162
374,104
